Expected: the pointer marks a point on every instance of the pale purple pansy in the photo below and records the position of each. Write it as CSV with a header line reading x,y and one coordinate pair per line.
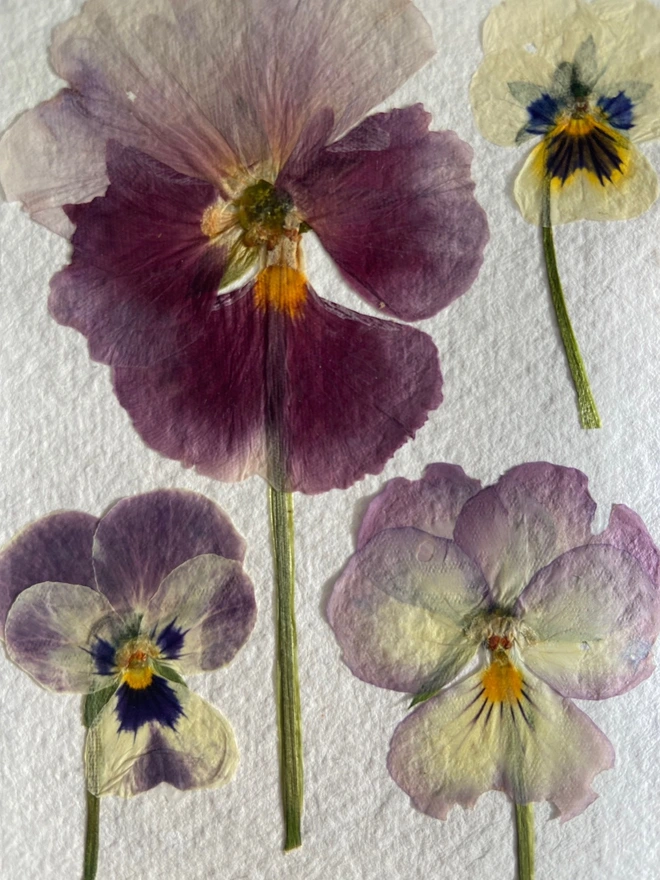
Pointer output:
x,y
119,608
495,607
198,142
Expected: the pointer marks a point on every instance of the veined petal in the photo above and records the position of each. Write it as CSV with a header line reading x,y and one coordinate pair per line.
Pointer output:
x,y
56,548
352,388
531,744
189,84
400,609
584,196
144,538
143,276
195,749
595,615
203,613
533,514
393,205
50,633
431,504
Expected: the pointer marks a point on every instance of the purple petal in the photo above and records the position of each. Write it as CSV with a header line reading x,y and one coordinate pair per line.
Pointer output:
x,y
204,88
627,532
594,614
205,609
393,205
353,388
431,504
56,548
399,610
533,514
144,538
143,277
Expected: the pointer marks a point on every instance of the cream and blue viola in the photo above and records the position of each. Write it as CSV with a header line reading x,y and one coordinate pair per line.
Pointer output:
x,y
585,78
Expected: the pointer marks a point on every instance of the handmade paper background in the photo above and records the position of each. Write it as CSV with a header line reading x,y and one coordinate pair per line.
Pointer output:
x,y
66,443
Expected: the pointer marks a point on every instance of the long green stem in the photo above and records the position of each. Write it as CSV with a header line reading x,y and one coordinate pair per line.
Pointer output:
x,y
588,412
525,840
91,837
288,688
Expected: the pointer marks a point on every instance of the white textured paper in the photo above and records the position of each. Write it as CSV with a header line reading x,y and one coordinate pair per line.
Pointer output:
x,y
66,443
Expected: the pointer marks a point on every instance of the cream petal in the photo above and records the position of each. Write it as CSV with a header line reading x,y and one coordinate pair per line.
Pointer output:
x,y
459,745
51,630
595,615
400,608
202,613
582,197
197,751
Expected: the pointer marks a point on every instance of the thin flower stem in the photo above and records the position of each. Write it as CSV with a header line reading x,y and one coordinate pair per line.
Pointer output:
x,y
525,840
91,837
288,688
587,410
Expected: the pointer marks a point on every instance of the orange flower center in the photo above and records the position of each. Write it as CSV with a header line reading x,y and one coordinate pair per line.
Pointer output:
x,y
282,288
502,682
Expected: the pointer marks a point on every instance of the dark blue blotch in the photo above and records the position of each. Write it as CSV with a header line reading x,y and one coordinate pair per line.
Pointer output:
x,y
157,702
103,654
170,641
619,110
542,114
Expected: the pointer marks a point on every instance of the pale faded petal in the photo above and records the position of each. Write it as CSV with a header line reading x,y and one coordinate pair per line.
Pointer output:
x,y
431,504
583,197
459,745
202,613
51,629
627,532
400,608
197,750
595,615
534,513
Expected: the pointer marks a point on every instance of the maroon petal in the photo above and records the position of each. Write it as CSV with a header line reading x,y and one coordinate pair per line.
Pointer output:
x,y
431,504
144,538
347,390
143,277
393,205
56,548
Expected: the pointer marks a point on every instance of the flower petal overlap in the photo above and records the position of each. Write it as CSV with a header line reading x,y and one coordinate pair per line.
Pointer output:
x,y
169,596
495,627
196,146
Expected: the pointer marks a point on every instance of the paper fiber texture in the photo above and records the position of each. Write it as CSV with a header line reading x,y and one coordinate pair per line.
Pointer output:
x,y
66,443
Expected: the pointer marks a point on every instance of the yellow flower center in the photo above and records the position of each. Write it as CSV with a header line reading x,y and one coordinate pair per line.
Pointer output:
x,y
282,288
134,663
502,682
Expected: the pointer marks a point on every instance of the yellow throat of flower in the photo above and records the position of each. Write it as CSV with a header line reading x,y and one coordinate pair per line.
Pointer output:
x,y
502,682
282,288
134,663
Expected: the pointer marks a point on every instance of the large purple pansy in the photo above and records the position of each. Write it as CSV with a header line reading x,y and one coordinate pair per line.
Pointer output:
x,y
196,145
495,607
121,607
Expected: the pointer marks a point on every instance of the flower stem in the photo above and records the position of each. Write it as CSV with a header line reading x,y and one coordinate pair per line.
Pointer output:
x,y
587,410
525,840
288,688
91,837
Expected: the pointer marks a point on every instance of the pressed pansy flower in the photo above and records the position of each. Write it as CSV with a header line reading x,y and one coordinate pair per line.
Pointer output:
x,y
197,144
120,608
200,140
496,607
584,80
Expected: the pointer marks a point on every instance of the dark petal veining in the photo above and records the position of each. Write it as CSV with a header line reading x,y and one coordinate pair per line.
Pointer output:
x,y
137,706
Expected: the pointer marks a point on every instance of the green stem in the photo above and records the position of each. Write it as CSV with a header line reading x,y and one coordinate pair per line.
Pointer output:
x,y
588,412
525,840
288,688
91,837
